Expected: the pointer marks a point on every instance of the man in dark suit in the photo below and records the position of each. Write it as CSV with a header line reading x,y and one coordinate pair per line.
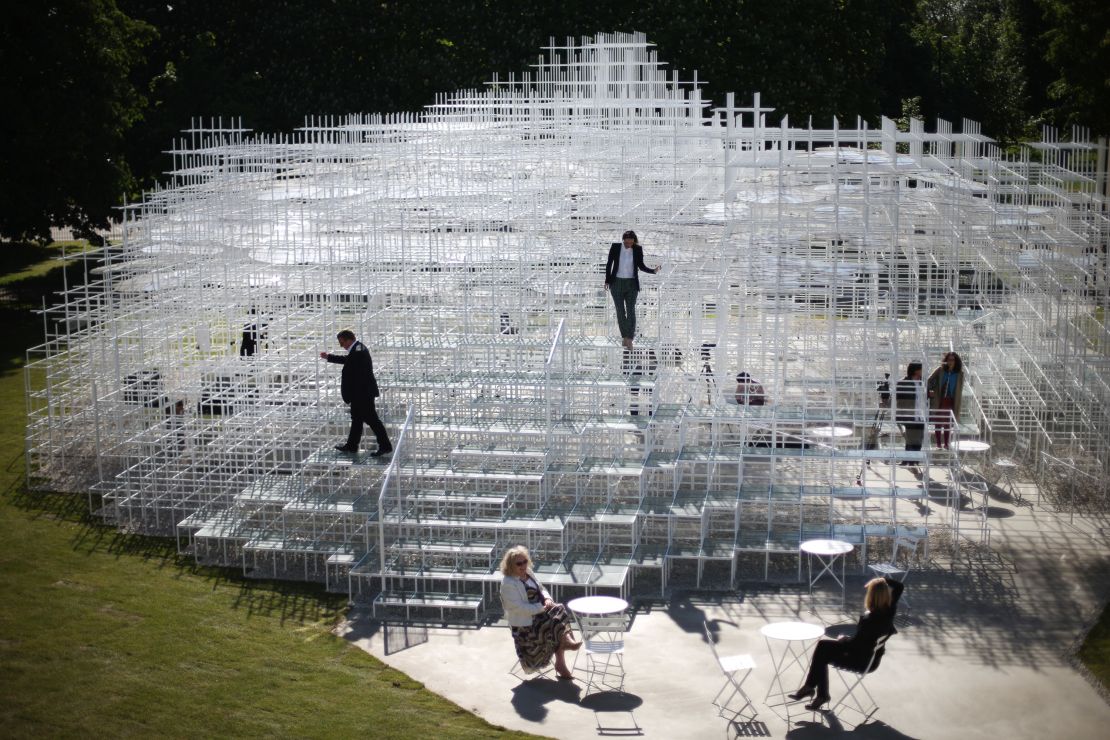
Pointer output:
x,y
622,280
253,331
359,389
909,407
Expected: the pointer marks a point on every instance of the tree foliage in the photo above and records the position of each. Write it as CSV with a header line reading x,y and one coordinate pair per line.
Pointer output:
x,y
96,91
974,49
1079,53
70,102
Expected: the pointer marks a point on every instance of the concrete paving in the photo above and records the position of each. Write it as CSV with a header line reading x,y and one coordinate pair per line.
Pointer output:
x,y
983,651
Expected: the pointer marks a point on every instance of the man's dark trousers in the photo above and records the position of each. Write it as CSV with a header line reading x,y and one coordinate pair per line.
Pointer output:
x,y
363,411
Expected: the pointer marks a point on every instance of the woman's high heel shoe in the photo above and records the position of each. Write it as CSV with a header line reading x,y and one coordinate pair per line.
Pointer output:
x,y
817,703
802,693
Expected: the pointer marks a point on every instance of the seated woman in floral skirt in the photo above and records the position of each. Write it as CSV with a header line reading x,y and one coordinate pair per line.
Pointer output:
x,y
541,628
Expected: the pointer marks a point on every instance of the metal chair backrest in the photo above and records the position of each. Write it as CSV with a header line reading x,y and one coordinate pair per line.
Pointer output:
x,y
905,543
1016,452
604,633
879,645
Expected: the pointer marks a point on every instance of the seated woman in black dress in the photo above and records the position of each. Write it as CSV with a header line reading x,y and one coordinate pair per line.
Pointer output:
x,y
853,653
541,627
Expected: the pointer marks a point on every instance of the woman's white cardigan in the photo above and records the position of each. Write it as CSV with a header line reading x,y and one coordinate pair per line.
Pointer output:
x,y
514,599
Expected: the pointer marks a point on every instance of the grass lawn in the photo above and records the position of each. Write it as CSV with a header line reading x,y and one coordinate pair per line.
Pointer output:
x,y
115,635
19,261
1095,651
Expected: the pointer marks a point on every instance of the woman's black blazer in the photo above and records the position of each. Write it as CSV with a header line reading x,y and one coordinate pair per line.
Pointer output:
x,y
872,625
615,260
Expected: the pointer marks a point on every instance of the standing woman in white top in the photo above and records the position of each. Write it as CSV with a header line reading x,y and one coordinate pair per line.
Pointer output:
x,y
623,282
541,628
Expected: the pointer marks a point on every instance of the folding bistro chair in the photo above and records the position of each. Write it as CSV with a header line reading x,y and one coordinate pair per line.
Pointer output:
x,y
906,545
603,649
517,671
856,684
1007,467
732,666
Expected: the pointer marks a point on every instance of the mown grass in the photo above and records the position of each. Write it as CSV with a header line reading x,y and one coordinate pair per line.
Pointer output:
x,y
112,635
1095,650
20,261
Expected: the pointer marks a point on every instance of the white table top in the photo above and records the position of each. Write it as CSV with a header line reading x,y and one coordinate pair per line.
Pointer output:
x,y
972,445
792,631
826,548
830,431
597,605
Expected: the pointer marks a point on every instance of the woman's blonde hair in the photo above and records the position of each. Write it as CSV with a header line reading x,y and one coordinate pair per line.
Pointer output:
x,y
514,552
878,595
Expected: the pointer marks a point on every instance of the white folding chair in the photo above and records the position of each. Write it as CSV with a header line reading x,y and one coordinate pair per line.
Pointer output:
x,y
732,666
1007,467
603,649
518,672
899,570
856,684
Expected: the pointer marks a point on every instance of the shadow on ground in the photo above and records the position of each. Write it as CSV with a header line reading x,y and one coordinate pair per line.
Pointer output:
x,y
531,697
832,727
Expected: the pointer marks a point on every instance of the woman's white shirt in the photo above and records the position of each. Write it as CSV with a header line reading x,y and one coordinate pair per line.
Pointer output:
x,y
514,599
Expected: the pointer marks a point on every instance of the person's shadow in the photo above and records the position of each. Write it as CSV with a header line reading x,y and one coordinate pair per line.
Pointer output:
x,y
530,697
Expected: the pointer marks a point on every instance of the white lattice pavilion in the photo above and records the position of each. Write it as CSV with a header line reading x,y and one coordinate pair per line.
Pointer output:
x,y
465,246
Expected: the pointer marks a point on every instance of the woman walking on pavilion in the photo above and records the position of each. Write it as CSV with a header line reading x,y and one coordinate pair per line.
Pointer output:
x,y
622,281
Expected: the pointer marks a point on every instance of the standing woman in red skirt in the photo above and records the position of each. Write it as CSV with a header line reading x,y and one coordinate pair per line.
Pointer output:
x,y
946,388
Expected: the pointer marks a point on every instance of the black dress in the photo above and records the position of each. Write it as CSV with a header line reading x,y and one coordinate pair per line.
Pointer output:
x,y
855,652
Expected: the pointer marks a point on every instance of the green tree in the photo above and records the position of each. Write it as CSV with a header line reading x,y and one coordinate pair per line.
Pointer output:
x,y
1079,54
69,103
975,51
274,61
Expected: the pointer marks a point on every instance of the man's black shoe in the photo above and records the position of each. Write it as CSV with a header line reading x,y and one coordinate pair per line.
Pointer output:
x,y
379,452
345,448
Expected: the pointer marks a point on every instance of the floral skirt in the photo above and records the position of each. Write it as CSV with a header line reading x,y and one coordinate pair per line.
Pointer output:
x,y
536,643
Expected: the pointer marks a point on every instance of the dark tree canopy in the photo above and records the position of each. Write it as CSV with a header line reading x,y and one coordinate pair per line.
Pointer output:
x,y
69,102
100,88
1079,53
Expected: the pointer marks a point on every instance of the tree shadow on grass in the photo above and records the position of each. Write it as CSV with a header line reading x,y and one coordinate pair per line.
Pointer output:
x,y
17,256
20,298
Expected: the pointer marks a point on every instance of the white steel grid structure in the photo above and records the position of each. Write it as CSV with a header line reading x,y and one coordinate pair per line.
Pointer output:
x,y
464,245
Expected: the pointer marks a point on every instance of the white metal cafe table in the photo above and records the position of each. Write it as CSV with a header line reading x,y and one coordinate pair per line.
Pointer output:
x,y
587,609
829,435
972,445
827,552
597,605
793,638
603,634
